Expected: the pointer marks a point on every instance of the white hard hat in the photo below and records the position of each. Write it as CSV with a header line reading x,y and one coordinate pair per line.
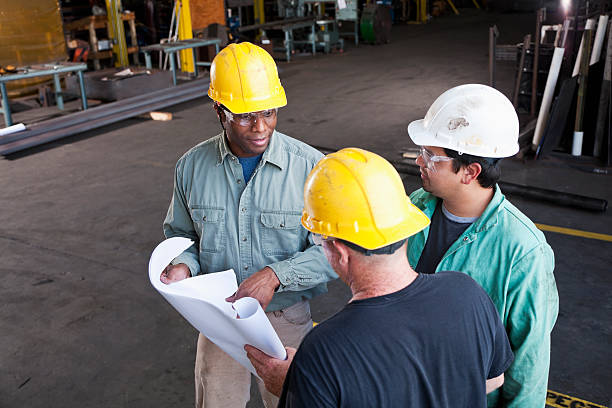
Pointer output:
x,y
473,119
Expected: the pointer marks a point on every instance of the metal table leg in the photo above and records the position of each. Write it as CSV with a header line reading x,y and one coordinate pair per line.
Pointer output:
x,y
82,85
195,62
59,98
147,60
287,45
172,66
312,30
6,109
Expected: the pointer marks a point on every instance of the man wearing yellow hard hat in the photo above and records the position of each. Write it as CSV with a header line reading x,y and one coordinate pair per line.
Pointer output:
x,y
476,230
239,195
405,339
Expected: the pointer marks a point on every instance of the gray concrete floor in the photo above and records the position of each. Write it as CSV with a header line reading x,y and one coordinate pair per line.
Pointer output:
x,y
82,327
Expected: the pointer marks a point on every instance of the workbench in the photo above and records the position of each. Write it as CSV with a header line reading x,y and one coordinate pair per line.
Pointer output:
x,y
172,48
287,26
92,23
40,70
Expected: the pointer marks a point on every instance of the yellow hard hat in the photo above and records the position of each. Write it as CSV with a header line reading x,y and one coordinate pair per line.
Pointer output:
x,y
243,78
358,196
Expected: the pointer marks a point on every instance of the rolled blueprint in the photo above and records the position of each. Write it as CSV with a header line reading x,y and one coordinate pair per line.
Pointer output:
x,y
201,301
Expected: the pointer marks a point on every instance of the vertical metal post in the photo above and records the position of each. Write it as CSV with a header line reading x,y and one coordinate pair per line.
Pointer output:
x,y
6,109
582,91
520,69
314,45
83,94
172,66
195,62
185,32
536,57
59,98
287,45
493,33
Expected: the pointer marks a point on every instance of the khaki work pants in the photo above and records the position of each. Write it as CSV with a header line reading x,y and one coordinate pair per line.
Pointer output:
x,y
221,382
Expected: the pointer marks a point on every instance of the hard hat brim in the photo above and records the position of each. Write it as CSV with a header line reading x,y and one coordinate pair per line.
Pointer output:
x,y
419,135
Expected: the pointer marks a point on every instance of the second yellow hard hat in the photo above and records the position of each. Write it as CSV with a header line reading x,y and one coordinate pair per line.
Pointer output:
x,y
358,196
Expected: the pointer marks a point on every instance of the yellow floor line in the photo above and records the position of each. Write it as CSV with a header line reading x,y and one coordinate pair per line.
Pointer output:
x,y
575,232
557,400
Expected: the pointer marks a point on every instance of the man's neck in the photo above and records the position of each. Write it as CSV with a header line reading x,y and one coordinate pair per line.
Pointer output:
x,y
374,279
470,202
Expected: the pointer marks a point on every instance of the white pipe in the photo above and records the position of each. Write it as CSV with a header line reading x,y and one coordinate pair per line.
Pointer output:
x,y
12,129
599,39
549,90
588,26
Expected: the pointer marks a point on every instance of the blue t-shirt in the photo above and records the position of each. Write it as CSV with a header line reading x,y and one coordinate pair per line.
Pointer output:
x,y
248,166
431,344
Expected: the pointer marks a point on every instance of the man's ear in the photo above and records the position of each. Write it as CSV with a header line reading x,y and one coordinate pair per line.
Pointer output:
x,y
470,173
342,252
220,113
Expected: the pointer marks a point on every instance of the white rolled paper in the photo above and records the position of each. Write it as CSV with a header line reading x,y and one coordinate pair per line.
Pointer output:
x,y
201,301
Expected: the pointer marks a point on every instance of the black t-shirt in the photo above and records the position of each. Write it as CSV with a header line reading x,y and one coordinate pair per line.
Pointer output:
x,y
444,230
431,344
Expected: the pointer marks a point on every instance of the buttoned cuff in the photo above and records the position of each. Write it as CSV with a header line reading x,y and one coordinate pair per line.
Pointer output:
x,y
187,259
285,274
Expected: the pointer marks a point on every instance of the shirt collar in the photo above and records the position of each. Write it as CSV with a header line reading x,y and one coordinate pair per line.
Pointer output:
x,y
273,153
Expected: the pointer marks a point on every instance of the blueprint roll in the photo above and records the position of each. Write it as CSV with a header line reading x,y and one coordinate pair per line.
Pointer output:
x,y
201,301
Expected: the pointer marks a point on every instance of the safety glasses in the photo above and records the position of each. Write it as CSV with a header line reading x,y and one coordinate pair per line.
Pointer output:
x,y
431,159
248,119
318,239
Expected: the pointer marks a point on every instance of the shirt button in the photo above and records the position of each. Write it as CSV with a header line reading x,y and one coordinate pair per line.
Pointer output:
x,y
465,239
243,209
243,238
282,225
246,267
238,181
204,218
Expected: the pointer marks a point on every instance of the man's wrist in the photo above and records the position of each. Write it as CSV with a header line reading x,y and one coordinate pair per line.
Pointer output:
x,y
273,278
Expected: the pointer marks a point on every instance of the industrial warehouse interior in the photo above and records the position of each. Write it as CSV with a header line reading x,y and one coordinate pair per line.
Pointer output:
x,y
100,99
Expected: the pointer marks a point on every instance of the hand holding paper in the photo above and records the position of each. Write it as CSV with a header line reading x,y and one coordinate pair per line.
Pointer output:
x,y
261,286
271,370
201,301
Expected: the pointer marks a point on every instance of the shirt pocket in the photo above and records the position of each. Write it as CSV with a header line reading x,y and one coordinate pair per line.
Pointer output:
x,y
281,232
210,225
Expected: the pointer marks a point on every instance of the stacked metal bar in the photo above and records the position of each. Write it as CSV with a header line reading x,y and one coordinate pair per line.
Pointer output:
x,y
57,128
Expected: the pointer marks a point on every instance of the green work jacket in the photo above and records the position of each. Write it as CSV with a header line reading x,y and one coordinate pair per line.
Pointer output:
x,y
246,226
508,256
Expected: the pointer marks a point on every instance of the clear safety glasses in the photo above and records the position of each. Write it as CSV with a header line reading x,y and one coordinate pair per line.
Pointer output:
x,y
318,239
248,119
431,159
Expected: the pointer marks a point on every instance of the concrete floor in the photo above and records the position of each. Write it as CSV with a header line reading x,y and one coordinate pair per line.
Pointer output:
x,y
82,327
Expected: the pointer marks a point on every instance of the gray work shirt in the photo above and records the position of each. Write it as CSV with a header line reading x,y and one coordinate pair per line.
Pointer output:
x,y
248,226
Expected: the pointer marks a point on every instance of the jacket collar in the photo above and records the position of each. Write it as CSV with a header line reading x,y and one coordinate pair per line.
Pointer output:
x,y
272,155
